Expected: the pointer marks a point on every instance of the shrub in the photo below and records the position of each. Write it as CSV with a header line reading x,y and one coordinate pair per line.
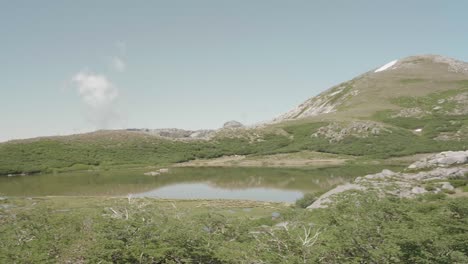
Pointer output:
x,y
307,200
457,183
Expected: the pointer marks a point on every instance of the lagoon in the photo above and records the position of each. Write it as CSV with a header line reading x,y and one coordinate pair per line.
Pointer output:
x,y
258,184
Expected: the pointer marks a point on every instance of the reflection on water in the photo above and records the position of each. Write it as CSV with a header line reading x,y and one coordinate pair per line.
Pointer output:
x,y
265,184
206,191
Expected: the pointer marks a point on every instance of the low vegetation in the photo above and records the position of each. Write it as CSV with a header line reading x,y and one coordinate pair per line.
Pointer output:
x,y
50,155
358,229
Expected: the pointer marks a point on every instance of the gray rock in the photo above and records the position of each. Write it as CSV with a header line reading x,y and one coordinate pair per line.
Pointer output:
x,y
443,159
233,124
437,174
325,199
447,186
381,175
283,225
202,134
405,185
175,133
152,173
155,173
418,190
275,215
336,132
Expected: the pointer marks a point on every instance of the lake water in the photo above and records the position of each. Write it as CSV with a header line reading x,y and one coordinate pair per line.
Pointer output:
x,y
261,184
208,191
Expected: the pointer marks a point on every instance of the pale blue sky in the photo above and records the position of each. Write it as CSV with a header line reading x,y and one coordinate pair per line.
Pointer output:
x,y
197,64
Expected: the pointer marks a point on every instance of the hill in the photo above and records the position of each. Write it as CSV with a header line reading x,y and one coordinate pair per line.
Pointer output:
x,y
413,105
376,90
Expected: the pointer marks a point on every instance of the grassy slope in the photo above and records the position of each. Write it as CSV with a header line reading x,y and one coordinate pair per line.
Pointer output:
x,y
49,155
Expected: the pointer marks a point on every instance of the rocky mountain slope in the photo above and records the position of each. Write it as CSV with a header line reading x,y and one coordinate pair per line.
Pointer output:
x,y
375,90
426,95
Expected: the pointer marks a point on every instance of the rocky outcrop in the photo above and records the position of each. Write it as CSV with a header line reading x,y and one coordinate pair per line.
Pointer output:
x,y
460,135
156,173
326,198
443,159
336,132
436,174
447,186
175,133
233,124
453,65
444,166
324,103
416,112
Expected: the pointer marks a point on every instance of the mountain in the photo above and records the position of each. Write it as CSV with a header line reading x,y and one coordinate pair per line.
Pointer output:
x,y
376,90
418,104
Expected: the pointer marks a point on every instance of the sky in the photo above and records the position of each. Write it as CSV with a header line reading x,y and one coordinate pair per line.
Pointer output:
x,y
77,66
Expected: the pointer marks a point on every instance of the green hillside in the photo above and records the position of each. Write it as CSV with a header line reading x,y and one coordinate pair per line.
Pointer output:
x,y
419,106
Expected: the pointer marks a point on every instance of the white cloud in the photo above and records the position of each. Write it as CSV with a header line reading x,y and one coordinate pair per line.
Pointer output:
x,y
99,94
118,64
95,90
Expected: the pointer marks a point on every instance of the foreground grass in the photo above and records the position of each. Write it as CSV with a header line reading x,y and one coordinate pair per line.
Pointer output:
x,y
359,229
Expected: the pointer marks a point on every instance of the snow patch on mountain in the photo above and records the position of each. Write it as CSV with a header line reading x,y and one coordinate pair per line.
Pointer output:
x,y
386,66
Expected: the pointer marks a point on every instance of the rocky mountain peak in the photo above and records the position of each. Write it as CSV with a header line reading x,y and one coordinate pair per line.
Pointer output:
x,y
376,90
422,61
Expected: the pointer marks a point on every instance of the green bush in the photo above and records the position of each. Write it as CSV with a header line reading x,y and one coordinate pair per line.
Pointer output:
x,y
360,228
306,200
457,183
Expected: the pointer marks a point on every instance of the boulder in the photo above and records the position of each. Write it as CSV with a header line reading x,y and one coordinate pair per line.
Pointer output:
x,y
233,124
447,186
381,175
443,159
437,174
325,199
418,190
275,215
152,173
155,173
